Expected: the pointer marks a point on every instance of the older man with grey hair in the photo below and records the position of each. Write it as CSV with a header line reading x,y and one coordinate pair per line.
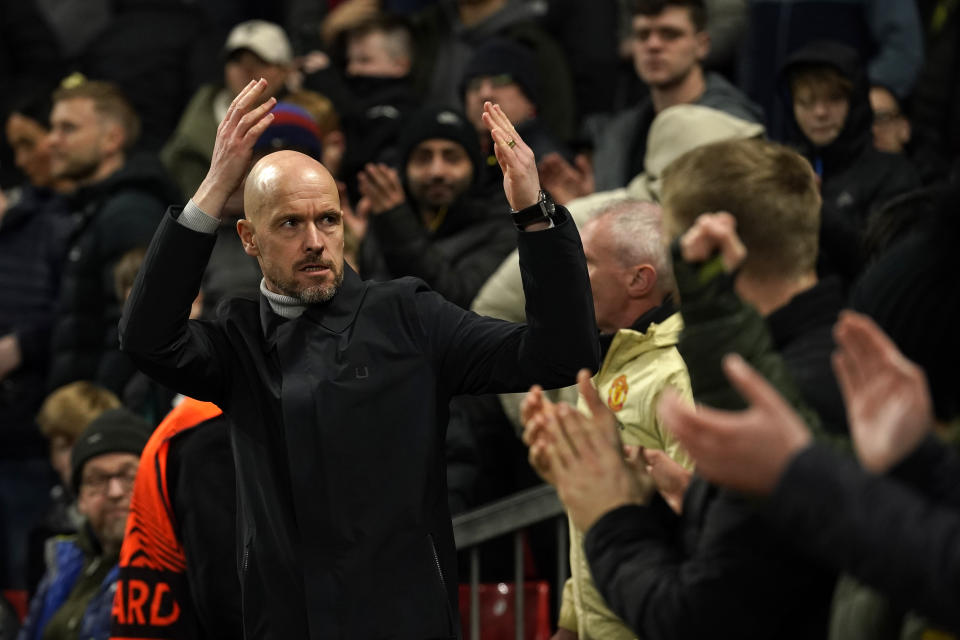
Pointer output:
x,y
633,286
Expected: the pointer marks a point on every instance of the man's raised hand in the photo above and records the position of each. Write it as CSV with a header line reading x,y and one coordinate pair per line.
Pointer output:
x,y
711,233
887,398
521,184
245,121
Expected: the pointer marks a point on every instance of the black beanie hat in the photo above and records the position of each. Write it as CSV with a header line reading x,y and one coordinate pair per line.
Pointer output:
x,y
499,56
113,431
444,123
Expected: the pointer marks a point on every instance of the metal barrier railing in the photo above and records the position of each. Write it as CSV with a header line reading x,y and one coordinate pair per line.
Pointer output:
x,y
510,515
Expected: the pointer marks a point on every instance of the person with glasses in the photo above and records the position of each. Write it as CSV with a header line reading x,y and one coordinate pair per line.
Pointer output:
x,y
75,597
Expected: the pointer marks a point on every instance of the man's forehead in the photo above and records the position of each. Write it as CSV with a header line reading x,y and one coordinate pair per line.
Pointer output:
x,y
107,462
439,144
671,16
78,106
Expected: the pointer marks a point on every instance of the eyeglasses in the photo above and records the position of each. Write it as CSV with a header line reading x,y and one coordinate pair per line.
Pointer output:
x,y
885,117
100,482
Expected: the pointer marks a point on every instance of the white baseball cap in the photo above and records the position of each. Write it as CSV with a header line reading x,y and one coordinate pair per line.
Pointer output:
x,y
266,39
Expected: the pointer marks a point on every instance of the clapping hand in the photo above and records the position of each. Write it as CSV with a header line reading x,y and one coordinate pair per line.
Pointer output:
x,y
521,184
564,181
887,398
585,459
671,478
380,186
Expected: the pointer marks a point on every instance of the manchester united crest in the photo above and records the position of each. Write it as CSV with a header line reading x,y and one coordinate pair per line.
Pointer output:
x,y
618,393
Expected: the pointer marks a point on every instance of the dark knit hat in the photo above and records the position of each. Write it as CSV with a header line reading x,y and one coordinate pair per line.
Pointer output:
x,y
501,57
113,431
439,122
292,128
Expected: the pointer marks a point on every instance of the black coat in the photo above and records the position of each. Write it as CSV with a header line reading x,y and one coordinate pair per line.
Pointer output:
x,y
455,260
802,333
338,424
113,216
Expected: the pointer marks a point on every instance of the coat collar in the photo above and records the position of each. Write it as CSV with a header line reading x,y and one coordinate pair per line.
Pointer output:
x,y
336,315
818,306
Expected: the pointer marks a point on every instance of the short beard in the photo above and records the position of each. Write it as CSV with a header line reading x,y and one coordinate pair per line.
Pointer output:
x,y
320,293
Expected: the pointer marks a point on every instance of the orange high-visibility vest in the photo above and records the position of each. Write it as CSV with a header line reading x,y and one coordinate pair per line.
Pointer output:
x,y
152,597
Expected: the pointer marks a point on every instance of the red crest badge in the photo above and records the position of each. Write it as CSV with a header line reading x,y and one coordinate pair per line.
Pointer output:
x,y
618,393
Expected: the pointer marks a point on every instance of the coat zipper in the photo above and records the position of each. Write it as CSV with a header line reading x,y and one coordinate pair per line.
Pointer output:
x,y
451,618
436,561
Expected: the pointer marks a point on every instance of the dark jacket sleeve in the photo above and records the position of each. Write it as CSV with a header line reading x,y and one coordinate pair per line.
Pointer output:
x,y
408,251
207,523
895,27
933,469
473,354
663,592
878,530
187,355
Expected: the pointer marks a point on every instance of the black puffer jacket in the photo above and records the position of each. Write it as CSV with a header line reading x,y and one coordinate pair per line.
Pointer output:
x,y
856,178
113,216
455,260
33,237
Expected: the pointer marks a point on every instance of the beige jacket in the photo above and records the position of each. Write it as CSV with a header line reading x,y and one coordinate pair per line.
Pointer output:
x,y
636,370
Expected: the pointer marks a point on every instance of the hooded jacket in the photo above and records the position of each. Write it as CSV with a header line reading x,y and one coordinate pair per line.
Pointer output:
x,y
639,365
886,34
113,216
856,178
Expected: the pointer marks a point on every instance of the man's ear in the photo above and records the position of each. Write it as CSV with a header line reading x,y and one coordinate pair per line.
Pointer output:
x,y
703,44
906,131
643,280
248,237
113,137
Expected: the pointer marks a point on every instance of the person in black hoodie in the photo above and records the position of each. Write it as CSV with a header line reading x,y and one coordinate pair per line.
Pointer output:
x,y
432,223
118,202
827,87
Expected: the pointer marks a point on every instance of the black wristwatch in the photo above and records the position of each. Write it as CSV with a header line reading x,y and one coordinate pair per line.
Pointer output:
x,y
542,211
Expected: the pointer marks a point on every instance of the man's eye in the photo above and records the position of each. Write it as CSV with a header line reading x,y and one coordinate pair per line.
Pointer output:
x,y
289,222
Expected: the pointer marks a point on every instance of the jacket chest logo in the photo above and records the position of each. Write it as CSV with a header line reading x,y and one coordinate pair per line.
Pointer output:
x,y
617,395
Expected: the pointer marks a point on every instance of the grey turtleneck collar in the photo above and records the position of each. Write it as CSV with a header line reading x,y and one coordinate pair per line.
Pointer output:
x,y
284,306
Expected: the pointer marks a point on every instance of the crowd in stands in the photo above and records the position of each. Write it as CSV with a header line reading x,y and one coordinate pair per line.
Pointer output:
x,y
775,179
